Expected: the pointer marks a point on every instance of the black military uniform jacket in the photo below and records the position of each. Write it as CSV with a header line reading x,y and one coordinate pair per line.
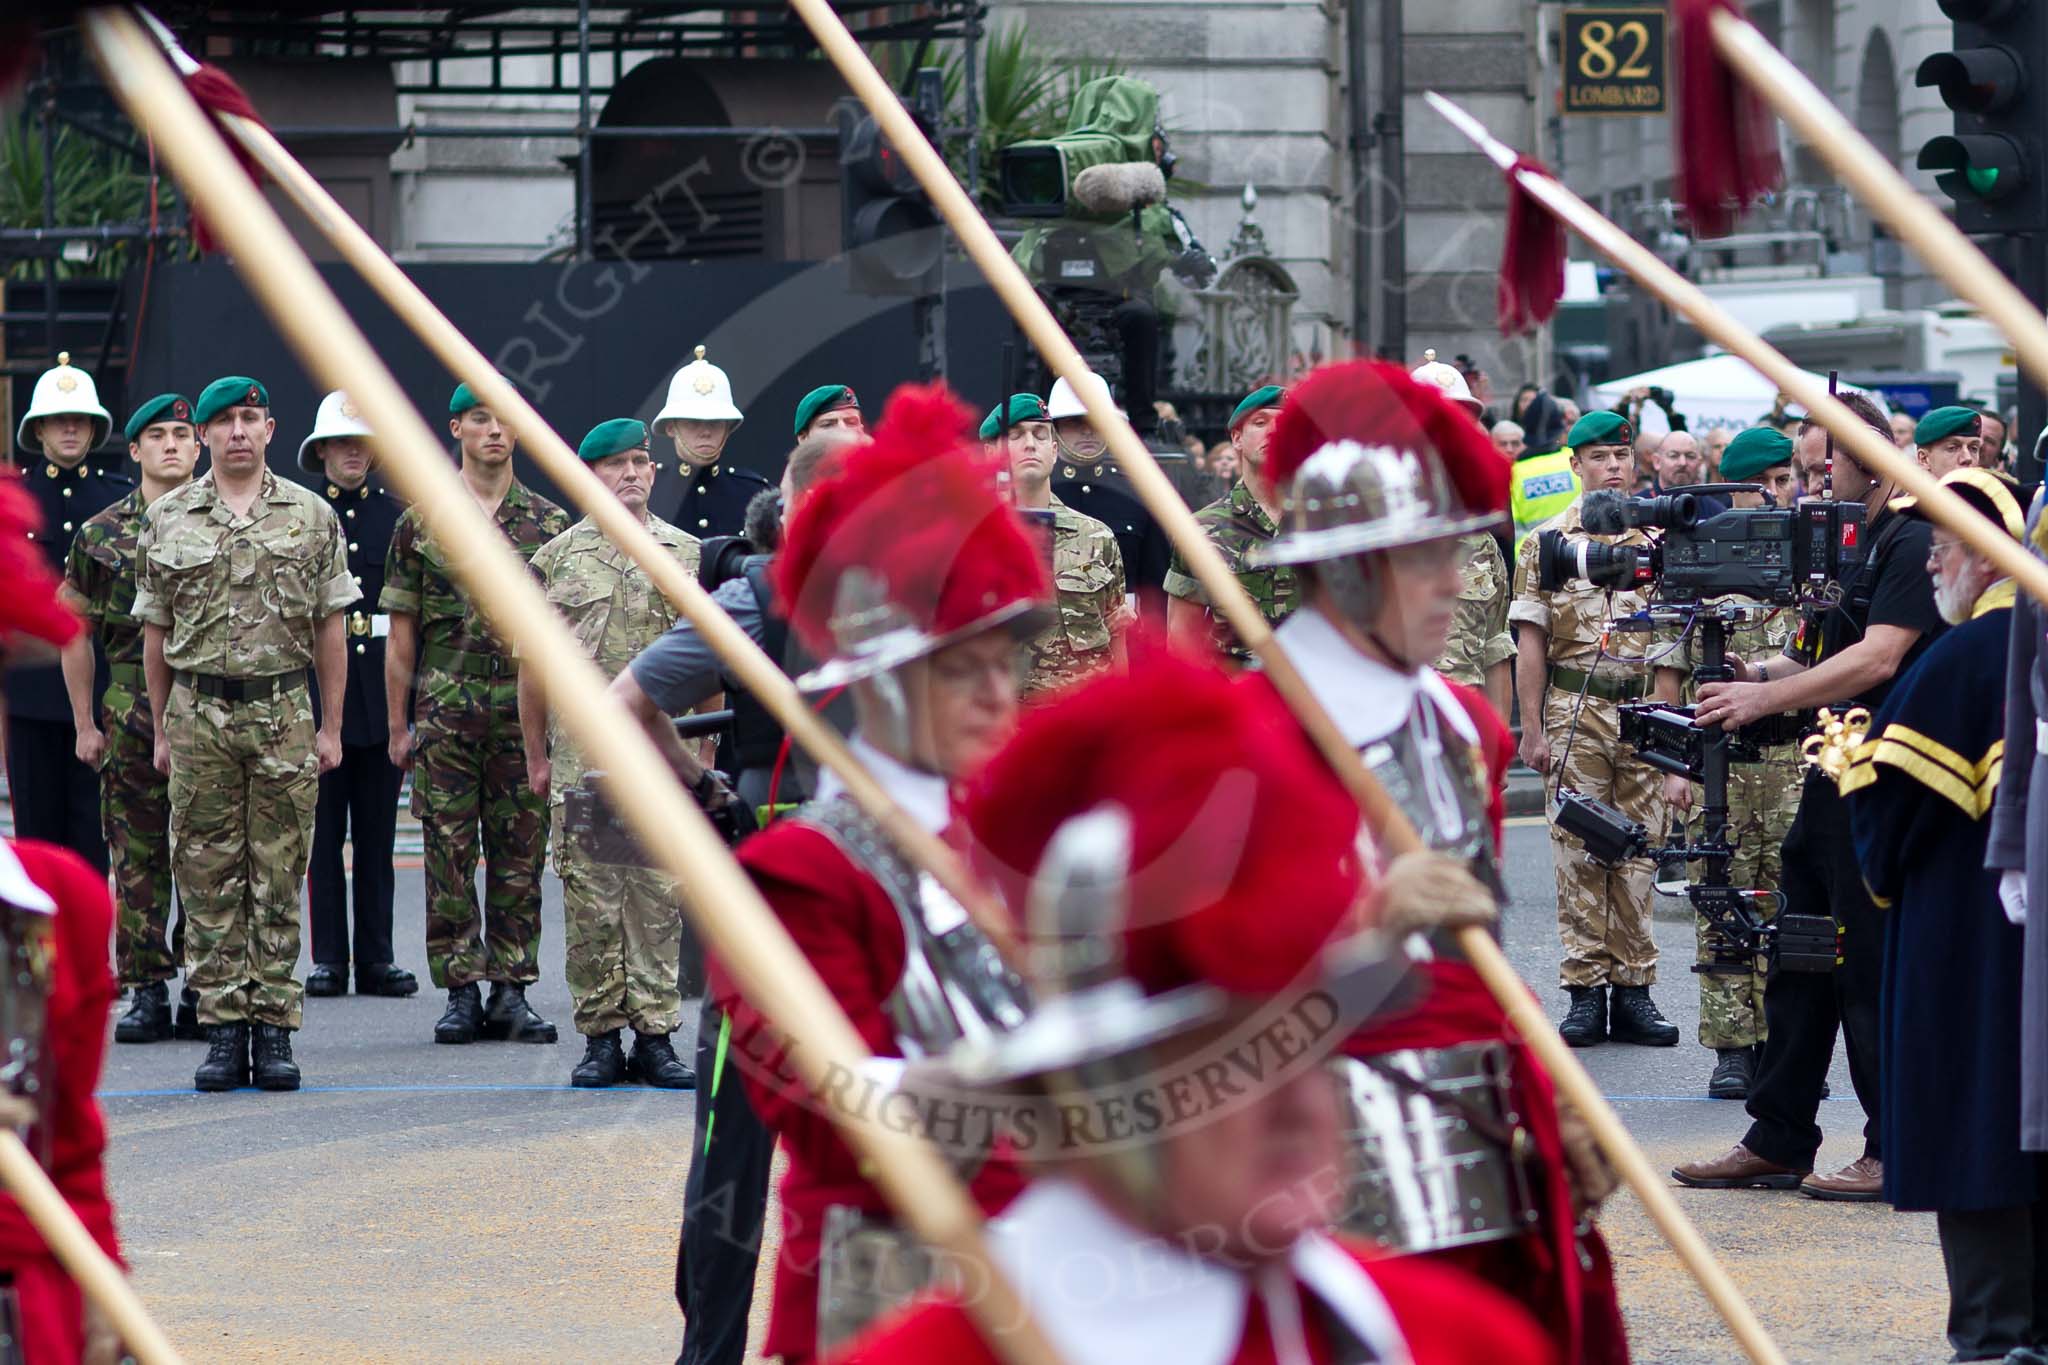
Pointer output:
x,y
368,516
714,500
68,498
1098,488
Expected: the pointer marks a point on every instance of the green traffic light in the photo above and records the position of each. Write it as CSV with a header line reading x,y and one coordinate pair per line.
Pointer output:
x,y
1983,179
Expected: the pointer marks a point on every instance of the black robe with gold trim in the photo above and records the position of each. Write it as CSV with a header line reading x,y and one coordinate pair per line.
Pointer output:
x,y
1919,792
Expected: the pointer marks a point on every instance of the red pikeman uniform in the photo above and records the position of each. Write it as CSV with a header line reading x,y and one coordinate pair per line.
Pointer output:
x,y
1380,475
1188,874
55,922
900,565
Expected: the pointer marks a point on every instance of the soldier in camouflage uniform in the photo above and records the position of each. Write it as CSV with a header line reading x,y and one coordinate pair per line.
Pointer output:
x,y
1480,648
1087,565
623,925
241,580
1762,797
1572,682
1239,520
135,800
464,748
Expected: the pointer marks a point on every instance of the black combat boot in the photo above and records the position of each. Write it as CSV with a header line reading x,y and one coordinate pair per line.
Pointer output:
x,y
507,1016
603,1064
1633,1018
186,1029
148,1019
227,1058
1585,1023
274,1067
655,1062
464,1017
386,979
327,980
1732,1074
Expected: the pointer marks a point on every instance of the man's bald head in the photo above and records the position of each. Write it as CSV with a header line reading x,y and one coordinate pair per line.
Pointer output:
x,y
1677,460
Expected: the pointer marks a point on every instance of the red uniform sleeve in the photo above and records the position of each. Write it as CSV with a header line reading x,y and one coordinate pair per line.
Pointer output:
x,y
75,1039
848,930
1453,1318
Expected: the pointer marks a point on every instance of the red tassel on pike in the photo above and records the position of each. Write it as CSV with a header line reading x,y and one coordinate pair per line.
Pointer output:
x,y
1532,258
1725,141
216,92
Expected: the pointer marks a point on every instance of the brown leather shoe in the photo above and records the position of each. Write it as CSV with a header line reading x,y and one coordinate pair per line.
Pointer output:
x,y
1859,1182
1736,1169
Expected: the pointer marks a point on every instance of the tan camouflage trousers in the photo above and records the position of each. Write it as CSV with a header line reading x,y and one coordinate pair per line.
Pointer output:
x,y
1762,799
1603,914
135,818
623,942
244,781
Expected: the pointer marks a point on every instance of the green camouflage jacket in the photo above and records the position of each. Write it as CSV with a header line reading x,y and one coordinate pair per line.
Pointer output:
x,y
1235,523
611,605
99,578
239,596
417,581
1088,574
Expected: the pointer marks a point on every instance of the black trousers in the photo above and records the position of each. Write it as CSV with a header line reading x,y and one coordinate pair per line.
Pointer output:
x,y
725,1197
56,798
1803,1010
359,804
1137,326
1997,1263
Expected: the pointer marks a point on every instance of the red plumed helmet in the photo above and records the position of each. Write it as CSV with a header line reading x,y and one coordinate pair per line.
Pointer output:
x,y
1366,457
906,546
1242,866
30,605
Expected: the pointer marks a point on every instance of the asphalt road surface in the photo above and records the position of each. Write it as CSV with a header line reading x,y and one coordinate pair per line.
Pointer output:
x,y
462,1203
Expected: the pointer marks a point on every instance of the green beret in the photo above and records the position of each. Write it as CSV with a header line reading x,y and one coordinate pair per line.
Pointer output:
x,y
1602,428
463,399
1943,423
1268,396
165,407
1754,450
615,437
1024,407
234,391
824,398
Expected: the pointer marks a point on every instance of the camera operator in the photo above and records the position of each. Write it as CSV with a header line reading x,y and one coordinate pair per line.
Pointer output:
x,y
1762,797
1846,654
726,1190
1571,690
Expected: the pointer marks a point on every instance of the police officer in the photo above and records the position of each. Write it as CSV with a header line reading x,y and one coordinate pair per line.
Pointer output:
x,y
829,407
700,418
1087,567
1089,480
1235,523
120,741
243,577
64,424
1542,482
623,926
359,799
1479,650
1762,797
1572,687
462,742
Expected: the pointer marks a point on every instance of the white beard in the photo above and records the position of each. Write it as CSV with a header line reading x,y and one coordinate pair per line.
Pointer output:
x,y
1953,598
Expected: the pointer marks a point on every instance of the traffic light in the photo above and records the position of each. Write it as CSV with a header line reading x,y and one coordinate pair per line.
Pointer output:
x,y
1996,81
887,227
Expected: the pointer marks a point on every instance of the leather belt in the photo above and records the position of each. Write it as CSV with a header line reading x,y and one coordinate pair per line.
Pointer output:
x,y
462,661
241,689
1607,689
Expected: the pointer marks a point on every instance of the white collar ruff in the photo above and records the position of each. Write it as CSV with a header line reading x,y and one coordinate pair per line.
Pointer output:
x,y
1366,698
15,886
1107,1293
925,795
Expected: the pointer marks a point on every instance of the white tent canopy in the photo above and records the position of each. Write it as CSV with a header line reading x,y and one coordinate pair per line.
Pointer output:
x,y
1721,390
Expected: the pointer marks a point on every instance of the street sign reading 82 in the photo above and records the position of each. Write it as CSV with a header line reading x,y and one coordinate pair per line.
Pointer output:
x,y
1614,61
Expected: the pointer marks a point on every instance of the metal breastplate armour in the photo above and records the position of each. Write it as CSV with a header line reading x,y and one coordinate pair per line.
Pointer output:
x,y
1430,773
955,984
1438,1156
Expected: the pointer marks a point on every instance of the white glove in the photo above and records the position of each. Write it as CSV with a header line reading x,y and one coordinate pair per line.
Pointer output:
x,y
2012,894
